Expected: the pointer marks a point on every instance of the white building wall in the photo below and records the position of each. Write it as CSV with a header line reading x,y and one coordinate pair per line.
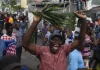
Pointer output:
x,y
92,3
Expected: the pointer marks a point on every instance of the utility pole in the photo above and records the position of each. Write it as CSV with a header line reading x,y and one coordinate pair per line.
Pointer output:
x,y
69,5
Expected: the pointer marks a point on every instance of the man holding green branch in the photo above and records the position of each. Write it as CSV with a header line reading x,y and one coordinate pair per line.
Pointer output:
x,y
53,57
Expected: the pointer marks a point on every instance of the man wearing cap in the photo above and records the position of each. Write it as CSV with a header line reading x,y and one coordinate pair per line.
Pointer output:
x,y
11,62
53,57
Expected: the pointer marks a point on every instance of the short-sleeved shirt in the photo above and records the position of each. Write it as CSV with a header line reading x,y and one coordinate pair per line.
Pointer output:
x,y
50,61
11,20
48,37
86,50
19,35
2,47
69,40
12,48
44,30
7,19
75,60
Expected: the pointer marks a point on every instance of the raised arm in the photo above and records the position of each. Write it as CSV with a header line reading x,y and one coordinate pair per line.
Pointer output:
x,y
79,42
27,37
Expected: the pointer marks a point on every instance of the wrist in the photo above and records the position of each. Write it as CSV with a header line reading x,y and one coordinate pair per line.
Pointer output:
x,y
35,22
83,19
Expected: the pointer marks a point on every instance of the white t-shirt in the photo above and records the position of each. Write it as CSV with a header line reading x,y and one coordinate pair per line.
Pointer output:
x,y
48,36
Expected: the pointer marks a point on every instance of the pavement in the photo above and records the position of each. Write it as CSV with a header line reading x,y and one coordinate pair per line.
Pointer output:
x,y
30,60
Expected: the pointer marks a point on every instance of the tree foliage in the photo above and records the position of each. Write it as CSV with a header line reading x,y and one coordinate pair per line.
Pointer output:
x,y
70,21
12,4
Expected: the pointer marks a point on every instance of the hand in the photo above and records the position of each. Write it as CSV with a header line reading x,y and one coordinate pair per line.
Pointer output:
x,y
80,14
36,18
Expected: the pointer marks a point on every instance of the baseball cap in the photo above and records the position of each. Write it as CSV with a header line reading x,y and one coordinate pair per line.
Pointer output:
x,y
55,35
9,62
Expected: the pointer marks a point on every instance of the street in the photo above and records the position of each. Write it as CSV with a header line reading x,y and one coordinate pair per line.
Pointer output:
x,y
30,60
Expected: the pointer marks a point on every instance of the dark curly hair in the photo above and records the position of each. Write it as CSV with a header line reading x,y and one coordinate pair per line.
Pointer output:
x,y
9,62
7,25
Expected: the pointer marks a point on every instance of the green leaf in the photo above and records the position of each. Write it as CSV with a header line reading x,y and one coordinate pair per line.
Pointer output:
x,y
58,19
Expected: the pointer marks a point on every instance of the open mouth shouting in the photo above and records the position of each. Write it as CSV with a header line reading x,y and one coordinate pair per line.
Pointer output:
x,y
55,44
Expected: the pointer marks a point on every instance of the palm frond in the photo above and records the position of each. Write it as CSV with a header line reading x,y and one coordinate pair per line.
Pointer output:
x,y
49,14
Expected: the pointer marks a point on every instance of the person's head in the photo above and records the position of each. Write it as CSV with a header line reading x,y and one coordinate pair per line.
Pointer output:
x,y
17,26
10,62
88,22
81,47
55,43
45,23
9,27
69,32
7,15
10,15
56,27
51,28
1,28
89,30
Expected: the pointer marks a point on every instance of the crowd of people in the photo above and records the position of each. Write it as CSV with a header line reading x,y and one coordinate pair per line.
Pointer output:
x,y
57,44
11,39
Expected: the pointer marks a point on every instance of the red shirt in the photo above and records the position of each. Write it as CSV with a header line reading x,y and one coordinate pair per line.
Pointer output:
x,y
7,19
49,61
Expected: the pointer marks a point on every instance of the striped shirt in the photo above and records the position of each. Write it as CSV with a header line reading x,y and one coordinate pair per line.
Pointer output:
x,y
86,51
